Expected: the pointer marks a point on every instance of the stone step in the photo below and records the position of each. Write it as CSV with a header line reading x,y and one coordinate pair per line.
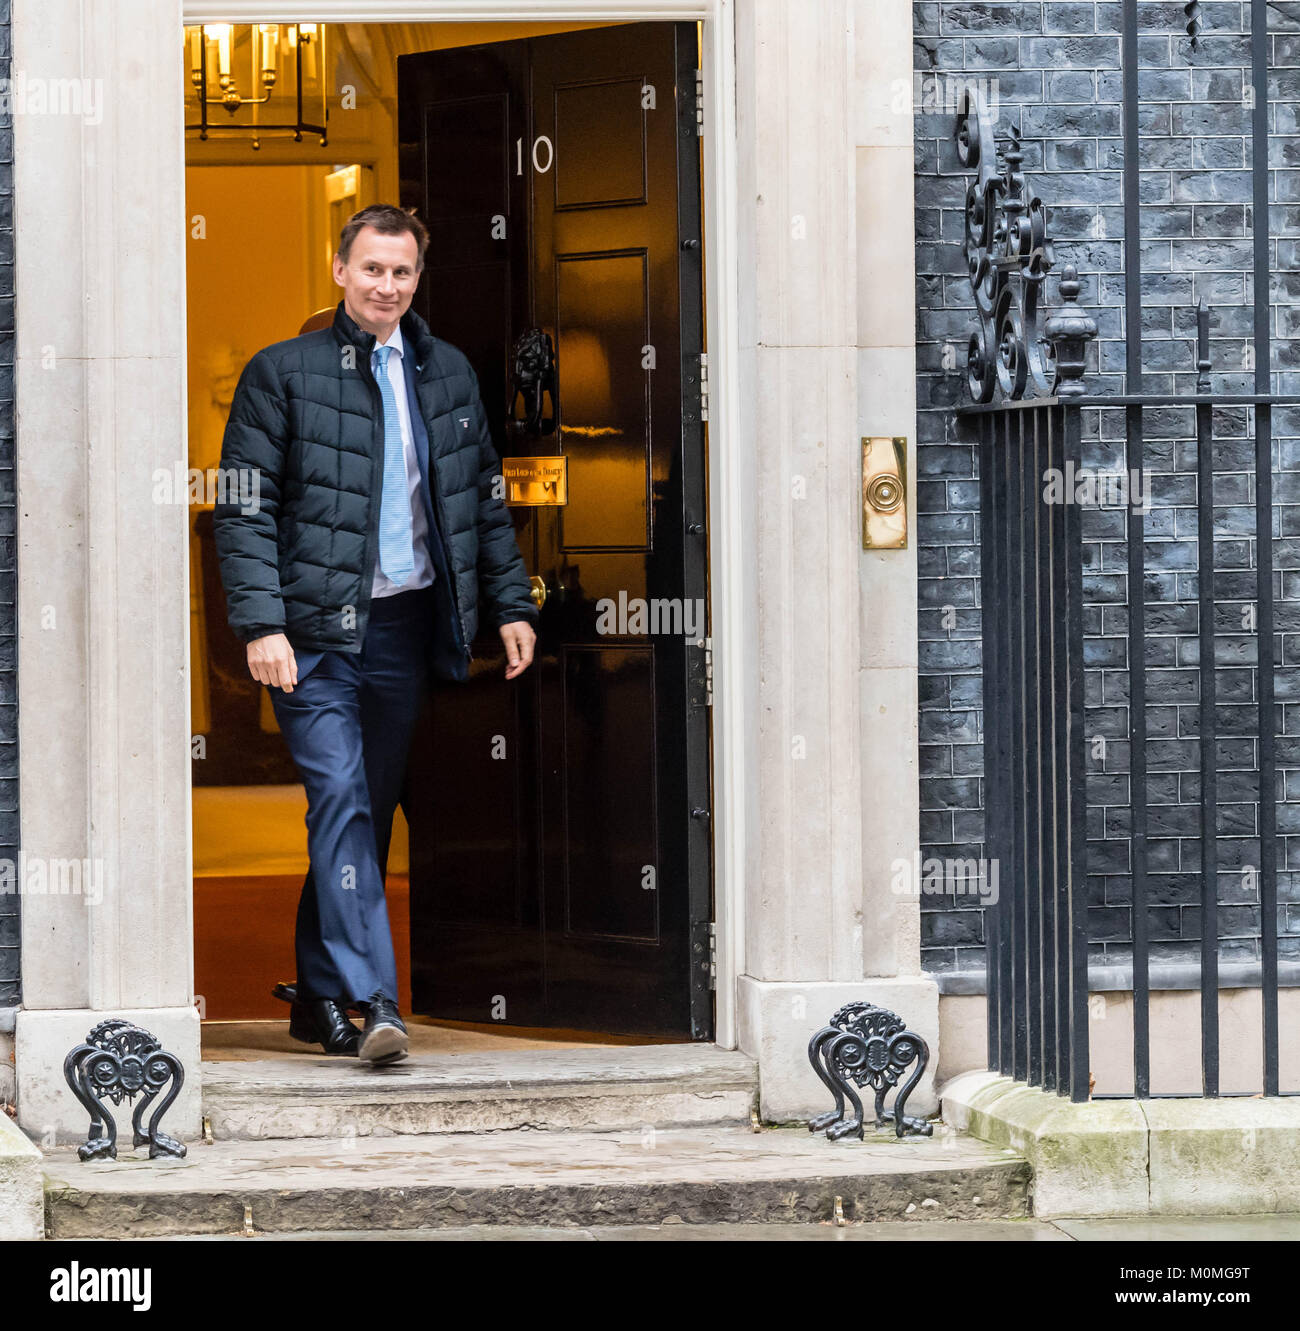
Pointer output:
x,y
605,1087
698,1175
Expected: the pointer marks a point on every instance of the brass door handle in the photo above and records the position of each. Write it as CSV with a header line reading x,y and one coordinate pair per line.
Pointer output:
x,y
539,590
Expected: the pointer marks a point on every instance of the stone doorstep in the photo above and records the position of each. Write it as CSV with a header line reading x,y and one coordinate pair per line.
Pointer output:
x,y
560,1178
1231,1156
20,1183
582,1088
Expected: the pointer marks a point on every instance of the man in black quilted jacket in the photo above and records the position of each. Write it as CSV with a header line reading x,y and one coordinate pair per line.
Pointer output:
x,y
354,576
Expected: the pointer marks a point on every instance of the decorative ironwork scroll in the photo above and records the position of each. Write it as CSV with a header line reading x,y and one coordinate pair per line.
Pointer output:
x,y
867,1045
117,1062
1008,257
1193,11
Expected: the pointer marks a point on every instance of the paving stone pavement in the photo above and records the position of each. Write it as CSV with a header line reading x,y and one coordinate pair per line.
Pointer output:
x,y
1233,1228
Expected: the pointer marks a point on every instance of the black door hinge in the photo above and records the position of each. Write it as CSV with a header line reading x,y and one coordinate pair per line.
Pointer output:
x,y
704,955
699,672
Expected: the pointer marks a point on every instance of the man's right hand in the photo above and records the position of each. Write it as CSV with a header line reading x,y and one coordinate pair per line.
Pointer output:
x,y
271,661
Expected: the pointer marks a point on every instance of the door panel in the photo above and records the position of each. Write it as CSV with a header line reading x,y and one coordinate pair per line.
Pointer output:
x,y
601,314
557,874
607,781
600,144
475,861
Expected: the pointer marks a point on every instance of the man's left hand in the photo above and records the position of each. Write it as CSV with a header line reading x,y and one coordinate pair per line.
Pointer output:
x,y
519,638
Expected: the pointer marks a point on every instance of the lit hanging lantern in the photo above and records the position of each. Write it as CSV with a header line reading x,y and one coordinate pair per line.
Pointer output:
x,y
216,49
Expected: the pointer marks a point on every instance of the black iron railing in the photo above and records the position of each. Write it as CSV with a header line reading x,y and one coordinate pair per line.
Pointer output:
x,y
1035,798
1030,411
1032,594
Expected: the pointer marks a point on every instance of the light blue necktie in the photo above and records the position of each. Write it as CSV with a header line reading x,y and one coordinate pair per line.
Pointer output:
x,y
396,547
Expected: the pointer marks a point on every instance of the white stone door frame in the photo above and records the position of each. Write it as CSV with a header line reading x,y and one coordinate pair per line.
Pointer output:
x,y
726,563
103,568
809,260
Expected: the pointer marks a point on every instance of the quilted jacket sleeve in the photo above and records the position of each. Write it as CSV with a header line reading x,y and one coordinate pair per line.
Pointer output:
x,y
503,579
252,465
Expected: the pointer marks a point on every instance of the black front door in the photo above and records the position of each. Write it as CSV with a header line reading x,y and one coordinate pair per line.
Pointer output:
x,y
560,845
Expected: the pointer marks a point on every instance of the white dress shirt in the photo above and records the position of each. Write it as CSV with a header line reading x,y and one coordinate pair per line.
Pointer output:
x,y
422,574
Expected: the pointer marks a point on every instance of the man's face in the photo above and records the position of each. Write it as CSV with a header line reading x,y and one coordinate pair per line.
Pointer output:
x,y
379,279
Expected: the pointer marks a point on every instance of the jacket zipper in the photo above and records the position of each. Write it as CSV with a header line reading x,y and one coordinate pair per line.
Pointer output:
x,y
371,547
436,494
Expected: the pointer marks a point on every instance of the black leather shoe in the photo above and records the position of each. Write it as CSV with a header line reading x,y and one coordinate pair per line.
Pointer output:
x,y
384,1039
287,992
322,1021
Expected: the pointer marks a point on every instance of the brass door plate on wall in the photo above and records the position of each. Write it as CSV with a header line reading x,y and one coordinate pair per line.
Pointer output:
x,y
536,482
884,493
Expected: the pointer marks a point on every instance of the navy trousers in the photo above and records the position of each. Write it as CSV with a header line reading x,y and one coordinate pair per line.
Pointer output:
x,y
348,725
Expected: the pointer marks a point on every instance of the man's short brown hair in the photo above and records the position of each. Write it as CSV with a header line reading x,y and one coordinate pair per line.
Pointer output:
x,y
388,221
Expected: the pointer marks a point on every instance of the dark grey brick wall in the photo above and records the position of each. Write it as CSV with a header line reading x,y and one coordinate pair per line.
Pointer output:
x,y
1056,68
9,908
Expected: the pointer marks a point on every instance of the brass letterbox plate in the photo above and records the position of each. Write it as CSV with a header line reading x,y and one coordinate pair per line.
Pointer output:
x,y
884,493
536,482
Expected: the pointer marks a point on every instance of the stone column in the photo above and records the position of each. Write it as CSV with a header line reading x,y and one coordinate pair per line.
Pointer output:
x,y
827,342
103,647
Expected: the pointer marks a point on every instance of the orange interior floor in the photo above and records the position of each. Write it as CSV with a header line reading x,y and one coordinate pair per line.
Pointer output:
x,y
243,943
250,858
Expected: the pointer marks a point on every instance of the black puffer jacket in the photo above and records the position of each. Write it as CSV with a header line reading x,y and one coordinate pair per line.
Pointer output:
x,y
307,417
